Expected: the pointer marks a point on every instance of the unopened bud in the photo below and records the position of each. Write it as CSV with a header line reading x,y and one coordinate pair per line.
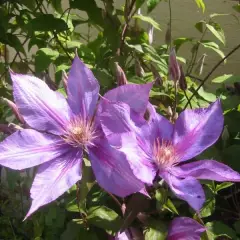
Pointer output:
x,y
169,111
64,79
9,128
175,117
138,68
225,135
200,64
182,80
150,34
174,69
14,108
168,37
120,75
157,78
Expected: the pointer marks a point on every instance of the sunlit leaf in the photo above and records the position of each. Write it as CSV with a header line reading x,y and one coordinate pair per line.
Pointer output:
x,y
226,78
217,31
44,57
148,20
201,4
151,4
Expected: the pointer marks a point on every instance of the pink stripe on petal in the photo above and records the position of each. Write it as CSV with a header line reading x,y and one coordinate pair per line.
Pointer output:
x,y
27,148
41,108
83,89
54,178
196,130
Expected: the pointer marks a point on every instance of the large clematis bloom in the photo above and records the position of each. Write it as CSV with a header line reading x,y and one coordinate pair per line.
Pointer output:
x,y
182,228
160,148
61,130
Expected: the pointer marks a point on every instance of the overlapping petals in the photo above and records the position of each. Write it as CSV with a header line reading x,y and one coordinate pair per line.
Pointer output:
x,y
48,144
185,228
54,178
42,108
161,147
82,89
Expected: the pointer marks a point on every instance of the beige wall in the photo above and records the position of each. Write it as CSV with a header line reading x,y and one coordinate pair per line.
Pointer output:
x,y
184,14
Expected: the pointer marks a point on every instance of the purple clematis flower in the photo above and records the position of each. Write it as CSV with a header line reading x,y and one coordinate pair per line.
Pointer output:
x,y
62,130
160,148
182,228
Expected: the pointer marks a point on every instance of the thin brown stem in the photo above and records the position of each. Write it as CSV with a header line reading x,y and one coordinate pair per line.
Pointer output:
x,y
211,72
125,27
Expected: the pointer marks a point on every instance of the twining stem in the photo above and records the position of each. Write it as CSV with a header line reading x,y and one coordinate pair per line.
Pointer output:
x,y
175,98
170,23
125,27
211,72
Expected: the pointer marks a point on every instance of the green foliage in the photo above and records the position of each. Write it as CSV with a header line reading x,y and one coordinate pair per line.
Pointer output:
x,y
44,36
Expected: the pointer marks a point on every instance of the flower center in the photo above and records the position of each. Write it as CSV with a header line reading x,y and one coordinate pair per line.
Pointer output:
x,y
80,133
164,153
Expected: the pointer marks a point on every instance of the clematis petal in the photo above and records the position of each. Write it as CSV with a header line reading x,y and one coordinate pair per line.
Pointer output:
x,y
159,125
195,130
41,108
185,228
83,89
118,118
188,189
209,170
135,95
54,178
27,148
128,137
112,170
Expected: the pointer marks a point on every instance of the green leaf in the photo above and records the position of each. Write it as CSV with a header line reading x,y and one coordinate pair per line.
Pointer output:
x,y
223,186
86,183
76,230
72,206
226,78
237,7
156,229
210,97
139,3
180,41
148,20
200,26
151,4
237,226
53,24
217,229
208,207
106,218
12,40
170,207
217,31
90,7
201,4
213,46
57,5
44,57
231,154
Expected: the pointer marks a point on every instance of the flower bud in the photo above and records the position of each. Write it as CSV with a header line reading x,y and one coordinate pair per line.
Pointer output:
x,y
168,37
120,75
182,80
9,128
174,69
200,64
64,79
157,77
138,68
150,34
169,111
14,108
